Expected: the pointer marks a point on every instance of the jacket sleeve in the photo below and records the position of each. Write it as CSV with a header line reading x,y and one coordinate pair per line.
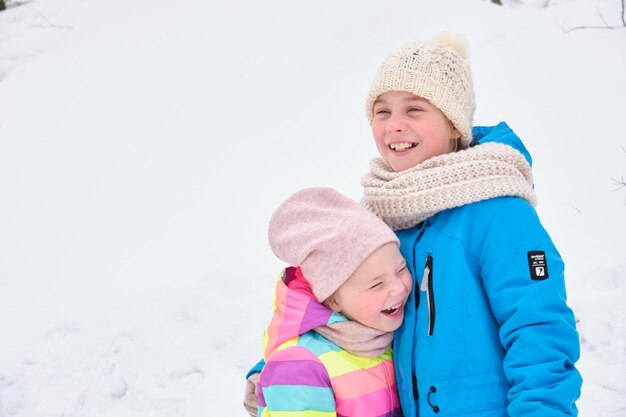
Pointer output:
x,y
294,383
523,275
258,367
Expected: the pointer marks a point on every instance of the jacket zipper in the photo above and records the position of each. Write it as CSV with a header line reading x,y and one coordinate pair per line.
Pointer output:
x,y
416,395
427,286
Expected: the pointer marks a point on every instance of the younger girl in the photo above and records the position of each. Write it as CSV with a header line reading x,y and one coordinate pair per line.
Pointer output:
x,y
328,346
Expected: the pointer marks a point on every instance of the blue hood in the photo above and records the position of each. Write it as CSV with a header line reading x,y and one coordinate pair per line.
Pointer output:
x,y
501,133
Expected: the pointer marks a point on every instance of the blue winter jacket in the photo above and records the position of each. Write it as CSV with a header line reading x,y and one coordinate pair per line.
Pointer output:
x,y
487,331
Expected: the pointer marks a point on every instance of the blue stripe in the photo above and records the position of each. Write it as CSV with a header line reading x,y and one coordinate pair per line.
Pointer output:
x,y
299,398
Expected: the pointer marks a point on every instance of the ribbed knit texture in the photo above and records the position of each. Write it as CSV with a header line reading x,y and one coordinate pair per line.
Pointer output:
x,y
435,70
308,376
327,234
404,199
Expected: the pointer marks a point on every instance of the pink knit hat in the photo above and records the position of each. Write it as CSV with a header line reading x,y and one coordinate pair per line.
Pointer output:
x,y
327,234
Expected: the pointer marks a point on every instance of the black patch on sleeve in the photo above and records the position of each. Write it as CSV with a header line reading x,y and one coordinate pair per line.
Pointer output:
x,y
538,265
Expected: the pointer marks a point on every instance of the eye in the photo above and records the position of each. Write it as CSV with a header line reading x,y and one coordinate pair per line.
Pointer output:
x,y
412,109
376,285
381,111
402,269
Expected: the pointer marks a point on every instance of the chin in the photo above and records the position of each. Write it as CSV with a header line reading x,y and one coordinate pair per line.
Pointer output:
x,y
395,327
392,327
403,165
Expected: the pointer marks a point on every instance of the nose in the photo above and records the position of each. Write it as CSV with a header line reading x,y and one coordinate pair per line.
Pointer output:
x,y
398,288
395,124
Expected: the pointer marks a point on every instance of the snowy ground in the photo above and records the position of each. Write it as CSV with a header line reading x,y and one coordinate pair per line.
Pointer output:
x,y
144,145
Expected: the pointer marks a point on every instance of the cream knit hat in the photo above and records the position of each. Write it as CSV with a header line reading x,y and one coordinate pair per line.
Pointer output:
x,y
327,234
436,70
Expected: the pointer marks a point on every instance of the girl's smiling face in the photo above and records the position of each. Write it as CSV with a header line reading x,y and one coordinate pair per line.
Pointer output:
x,y
409,130
375,294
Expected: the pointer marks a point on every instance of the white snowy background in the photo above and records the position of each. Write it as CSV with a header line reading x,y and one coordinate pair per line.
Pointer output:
x,y
144,145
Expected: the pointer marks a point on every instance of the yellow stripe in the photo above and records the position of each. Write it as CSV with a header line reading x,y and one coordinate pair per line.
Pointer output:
x,y
280,278
305,413
265,340
341,362
289,343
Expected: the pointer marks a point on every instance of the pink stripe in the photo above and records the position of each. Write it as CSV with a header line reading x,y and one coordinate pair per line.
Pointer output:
x,y
293,314
274,326
355,383
288,315
372,404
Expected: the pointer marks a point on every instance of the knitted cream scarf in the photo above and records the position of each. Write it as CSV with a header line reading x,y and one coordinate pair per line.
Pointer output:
x,y
404,199
357,338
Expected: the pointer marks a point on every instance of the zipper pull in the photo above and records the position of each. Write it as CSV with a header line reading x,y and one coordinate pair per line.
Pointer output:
x,y
425,277
427,287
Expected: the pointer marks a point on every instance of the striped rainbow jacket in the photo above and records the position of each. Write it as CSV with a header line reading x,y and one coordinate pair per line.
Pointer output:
x,y
308,376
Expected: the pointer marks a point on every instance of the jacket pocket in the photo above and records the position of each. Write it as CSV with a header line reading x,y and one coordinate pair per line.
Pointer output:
x,y
427,287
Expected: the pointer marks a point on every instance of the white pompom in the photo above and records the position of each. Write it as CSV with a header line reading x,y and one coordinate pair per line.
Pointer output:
x,y
453,41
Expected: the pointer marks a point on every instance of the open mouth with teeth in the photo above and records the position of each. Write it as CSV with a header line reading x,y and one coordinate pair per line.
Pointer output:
x,y
394,310
400,147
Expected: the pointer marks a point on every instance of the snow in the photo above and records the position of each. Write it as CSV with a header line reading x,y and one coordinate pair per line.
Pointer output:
x,y
144,145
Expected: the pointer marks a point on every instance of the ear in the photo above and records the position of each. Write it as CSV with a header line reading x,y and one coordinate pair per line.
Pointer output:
x,y
332,302
455,133
453,130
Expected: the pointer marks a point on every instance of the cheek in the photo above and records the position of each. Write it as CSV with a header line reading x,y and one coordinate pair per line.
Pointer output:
x,y
438,127
366,305
377,140
375,302
378,130
407,280
440,142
